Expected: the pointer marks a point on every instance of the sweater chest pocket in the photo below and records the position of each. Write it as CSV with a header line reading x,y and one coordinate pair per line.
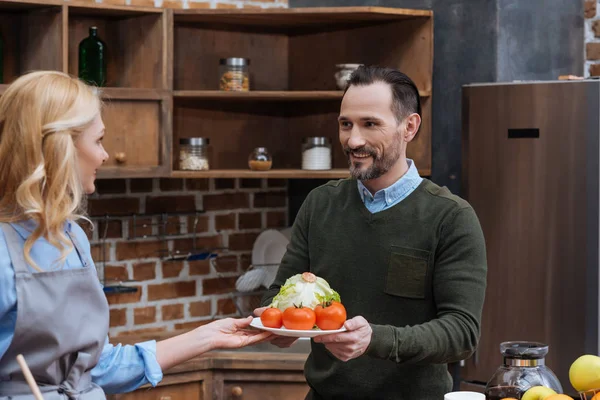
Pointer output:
x,y
407,272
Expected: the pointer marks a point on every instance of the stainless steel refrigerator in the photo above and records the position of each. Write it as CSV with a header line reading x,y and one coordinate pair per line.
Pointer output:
x,y
531,172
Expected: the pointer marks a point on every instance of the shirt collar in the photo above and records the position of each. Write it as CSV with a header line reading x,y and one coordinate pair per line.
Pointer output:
x,y
26,228
397,190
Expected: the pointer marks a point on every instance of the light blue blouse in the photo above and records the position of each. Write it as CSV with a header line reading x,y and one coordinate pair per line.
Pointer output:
x,y
120,368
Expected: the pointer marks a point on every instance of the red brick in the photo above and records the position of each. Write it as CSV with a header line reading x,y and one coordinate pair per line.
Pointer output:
x,y
203,243
146,315
115,273
196,184
172,311
193,4
125,298
199,267
226,6
226,307
225,222
117,206
249,183
270,199
88,229
250,220
140,227
224,183
226,264
110,186
146,332
164,204
144,271
245,261
242,241
100,253
227,201
276,183
199,226
595,70
200,308
171,290
172,227
218,285
110,229
135,250
171,269
276,219
592,51
191,325
140,185
118,317
170,184
590,8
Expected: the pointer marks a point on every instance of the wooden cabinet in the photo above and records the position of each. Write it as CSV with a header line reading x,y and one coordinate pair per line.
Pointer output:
x,y
269,385
163,77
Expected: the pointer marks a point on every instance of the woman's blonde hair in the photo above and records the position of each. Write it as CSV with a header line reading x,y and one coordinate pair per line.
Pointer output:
x,y
41,115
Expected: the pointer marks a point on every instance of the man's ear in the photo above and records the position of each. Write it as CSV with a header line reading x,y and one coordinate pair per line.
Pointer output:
x,y
413,122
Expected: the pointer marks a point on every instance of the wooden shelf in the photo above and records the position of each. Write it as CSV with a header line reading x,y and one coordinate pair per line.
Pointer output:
x,y
107,10
267,95
322,17
17,5
113,93
274,174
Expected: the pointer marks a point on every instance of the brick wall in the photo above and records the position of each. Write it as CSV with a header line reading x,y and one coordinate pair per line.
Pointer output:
x,y
592,38
200,3
176,295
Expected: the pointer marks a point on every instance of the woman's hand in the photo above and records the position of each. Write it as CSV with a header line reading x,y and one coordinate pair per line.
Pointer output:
x,y
231,333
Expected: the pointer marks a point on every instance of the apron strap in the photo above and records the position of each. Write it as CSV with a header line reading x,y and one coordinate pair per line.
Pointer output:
x,y
15,249
85,261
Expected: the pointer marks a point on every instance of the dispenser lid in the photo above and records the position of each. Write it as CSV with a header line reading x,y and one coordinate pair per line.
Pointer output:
x,y
524,350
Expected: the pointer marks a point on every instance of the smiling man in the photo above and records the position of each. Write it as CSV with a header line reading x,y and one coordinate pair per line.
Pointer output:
x,y
406,256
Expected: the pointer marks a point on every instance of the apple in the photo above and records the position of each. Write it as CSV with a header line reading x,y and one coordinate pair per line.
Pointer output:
x,y
537,393
584,373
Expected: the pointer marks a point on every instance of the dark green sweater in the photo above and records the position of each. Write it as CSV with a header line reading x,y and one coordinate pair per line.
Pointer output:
x,y
416,272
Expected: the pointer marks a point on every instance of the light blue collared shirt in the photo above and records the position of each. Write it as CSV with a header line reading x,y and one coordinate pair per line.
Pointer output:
x,y
391,195
120,368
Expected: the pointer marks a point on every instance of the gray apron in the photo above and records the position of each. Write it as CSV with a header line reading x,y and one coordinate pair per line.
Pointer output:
x,y
62,323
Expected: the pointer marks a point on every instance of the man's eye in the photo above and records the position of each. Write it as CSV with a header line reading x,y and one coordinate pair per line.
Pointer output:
x,y
369,124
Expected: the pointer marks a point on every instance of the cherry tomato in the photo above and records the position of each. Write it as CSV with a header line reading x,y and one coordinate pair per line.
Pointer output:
x,y
299,318
330,315
272,318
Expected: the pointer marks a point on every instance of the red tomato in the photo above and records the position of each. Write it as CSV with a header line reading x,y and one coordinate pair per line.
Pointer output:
x,y
299,318
330,316
272,318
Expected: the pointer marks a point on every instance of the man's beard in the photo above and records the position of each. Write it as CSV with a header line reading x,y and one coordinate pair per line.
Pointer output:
x,y
381,163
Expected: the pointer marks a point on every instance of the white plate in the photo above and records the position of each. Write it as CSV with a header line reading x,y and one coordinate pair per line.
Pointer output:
x,y
269,248
257,323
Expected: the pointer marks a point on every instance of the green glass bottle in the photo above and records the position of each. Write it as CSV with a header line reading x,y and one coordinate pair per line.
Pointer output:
x,y
92,59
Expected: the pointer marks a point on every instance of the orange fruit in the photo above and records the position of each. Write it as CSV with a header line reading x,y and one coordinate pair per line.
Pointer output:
x,y
508,398
596,396
559,397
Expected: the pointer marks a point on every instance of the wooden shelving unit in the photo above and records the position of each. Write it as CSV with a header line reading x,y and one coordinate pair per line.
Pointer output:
x,y
163,77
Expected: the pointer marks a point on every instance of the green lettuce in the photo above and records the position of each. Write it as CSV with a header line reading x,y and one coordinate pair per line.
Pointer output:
x,y
304,289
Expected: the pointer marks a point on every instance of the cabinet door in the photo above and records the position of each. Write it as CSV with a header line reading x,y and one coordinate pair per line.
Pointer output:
x,y
264,390
181,391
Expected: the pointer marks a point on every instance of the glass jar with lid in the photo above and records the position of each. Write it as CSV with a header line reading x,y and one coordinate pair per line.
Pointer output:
x,y
316,153
194,154
524,367
260,159
234,75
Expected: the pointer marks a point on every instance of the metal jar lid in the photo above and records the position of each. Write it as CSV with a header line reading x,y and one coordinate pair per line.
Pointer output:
x,y
196,141
317,140
235,61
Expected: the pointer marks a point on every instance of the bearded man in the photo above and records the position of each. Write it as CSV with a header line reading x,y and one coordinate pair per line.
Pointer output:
x,y
406,256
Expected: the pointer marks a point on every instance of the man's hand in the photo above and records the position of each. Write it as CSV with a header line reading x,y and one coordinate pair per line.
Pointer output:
x,y
350,344
279,341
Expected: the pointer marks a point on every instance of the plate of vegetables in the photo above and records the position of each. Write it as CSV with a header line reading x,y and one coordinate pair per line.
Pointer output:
x,y
305,306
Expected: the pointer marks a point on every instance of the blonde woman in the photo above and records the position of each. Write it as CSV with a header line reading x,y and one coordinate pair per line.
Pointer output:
x,y
52,308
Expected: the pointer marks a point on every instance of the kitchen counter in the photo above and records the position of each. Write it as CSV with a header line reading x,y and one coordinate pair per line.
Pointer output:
x,y
261,371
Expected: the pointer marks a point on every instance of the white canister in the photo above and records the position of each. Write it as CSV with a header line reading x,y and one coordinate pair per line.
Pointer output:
x,y
316,153
464,396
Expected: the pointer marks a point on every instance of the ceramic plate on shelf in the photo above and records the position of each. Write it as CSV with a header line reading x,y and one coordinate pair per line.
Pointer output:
x,y
267,252
257,323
